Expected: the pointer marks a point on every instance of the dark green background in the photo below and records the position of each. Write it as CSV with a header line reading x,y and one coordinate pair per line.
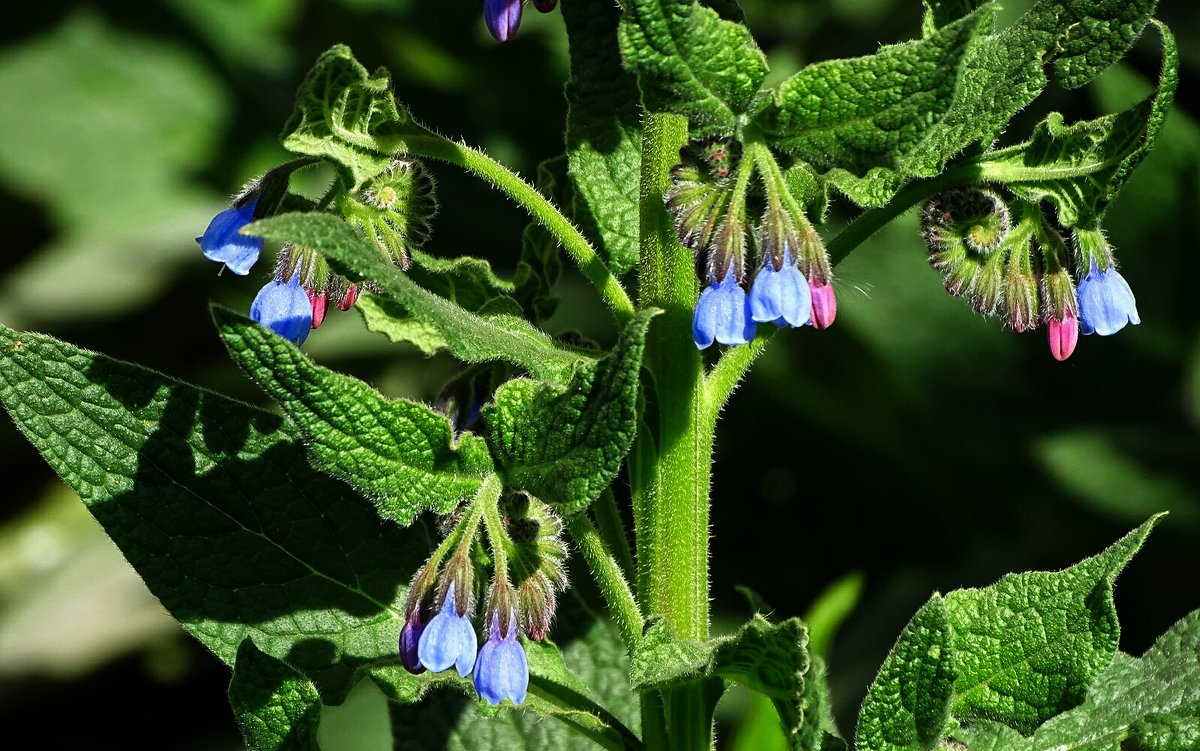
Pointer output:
x,y
913,442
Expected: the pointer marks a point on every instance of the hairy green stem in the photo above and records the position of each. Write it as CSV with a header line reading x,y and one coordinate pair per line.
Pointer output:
x,y
539,207
608,575
872,220
670,465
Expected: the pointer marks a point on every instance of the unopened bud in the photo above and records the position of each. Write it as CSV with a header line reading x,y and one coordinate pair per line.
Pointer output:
x,y
319,302
1063,335
824,305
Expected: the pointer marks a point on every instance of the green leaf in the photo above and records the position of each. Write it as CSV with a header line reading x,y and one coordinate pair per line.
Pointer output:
x,y
940,13
1027,647
771,659
584,687
1155,698
469,282
871,111
345,114
276,707
690,61
471,337
385,316
1082,167
908,705
215,505
565,444
971,90
604,138
399,453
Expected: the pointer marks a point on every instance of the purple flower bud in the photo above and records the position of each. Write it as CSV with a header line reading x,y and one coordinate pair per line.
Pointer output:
x,y
824,305
501,670
410,637
723,315
781,297
1062,335
448,639
1106,302
503,18
284,308
223,242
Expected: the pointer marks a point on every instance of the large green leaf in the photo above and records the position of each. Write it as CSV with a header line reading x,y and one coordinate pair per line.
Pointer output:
x,y
908,705
348,115
1027,647
399,453
604,138
1154,698
565,444
690,61
1081,167
872,111
975,90
471,337
215,505
276,707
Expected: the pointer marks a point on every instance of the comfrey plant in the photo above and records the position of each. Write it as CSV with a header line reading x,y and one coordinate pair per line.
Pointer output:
x,y
426,549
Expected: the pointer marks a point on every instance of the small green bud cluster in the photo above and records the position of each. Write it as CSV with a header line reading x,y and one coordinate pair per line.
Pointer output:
x,y
394,209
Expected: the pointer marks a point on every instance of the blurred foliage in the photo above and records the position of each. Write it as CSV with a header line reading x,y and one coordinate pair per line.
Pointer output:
x,y
959,451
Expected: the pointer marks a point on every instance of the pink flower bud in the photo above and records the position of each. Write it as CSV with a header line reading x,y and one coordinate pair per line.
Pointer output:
x,y
1063,335
349,298
319,301
824,305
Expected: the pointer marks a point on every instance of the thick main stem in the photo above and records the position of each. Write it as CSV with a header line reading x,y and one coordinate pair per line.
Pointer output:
x,y
671,461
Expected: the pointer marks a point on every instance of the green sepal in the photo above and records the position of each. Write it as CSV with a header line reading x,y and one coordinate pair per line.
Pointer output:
x,y
771,659
1027,647
565,444
471,337
908,705
1081,167
401,454
215,505
1154,698
604,138
276,707
347,115
692,62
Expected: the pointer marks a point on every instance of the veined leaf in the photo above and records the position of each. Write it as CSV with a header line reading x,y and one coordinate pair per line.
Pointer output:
x,y
276,707
348,115
604,138
908,705
1081,167
971,90
1154,698
471,337
690,61
1027,647
565,444
401,454
215,505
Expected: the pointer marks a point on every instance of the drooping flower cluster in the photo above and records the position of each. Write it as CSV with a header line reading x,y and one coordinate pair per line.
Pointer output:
x,y
438,633
709,198
1015,263
392,209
